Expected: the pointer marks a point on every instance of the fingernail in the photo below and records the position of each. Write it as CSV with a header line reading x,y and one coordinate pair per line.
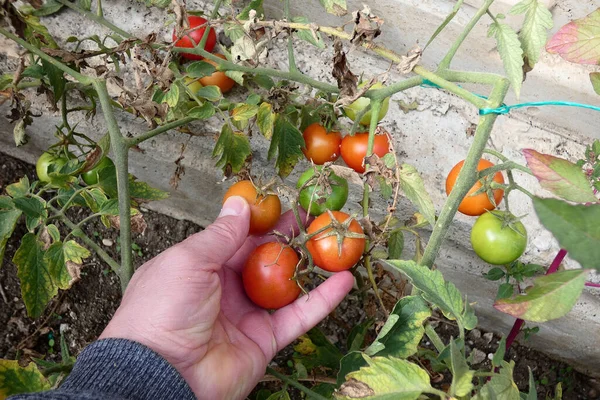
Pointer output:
x,y
233,206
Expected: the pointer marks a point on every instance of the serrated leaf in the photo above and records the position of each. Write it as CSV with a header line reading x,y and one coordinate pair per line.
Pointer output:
x,y
511,53
560,177
386,378
533,34
595,79
18,189
396,245
244,112
265,119
210,93
56,78
232,149
15,379
9,215
287,143
502,386
109,207
37,286
462,376
352,361
172,96
505,290
494,274
438,292
234,30
312,37
55,259
575,227
335,7
141,191
403,330
32,207
48,8
551,297
414,189
205,111
579,40
94,198
200,69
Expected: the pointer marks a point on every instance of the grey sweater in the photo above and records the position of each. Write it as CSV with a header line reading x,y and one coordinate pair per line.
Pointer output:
x,y
118,369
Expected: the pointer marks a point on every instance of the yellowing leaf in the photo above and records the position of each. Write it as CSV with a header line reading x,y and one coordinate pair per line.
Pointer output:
x,y
15,379
511,53
232,149
579,40
534,32
286,142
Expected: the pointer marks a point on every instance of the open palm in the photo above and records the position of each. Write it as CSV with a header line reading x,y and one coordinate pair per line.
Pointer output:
x,y
188,304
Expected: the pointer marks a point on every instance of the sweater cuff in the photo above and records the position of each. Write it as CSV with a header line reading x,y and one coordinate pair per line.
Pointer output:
x,y
125,369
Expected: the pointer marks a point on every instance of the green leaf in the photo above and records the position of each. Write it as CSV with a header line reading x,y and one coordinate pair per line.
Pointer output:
x,y
237,76
244,112
386,378
200,69
356,337
9,216
172,96
280,395
560,177
505,291
414,189
15,379
396,245
55,259
50,7
325,353
352,361
574,226
595,79
462,376
19,189
75,252
502,386
335,7
94,198
110,207
234,30
141,191
265,120
494,274
551,297
85,4
5,81
37,286
53,232
438,292
511,53
264,81
232,149
500,352
210,93
287,143
256,5
446,21
534,32
37,34
579,40
205,111
532,394
32,207
403,330
56,78
310,36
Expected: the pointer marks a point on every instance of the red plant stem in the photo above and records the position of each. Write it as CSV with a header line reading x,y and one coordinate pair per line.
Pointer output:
x,y
519,322
592,284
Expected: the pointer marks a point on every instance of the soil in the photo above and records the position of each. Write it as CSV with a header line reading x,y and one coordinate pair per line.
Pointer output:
x,y
81,313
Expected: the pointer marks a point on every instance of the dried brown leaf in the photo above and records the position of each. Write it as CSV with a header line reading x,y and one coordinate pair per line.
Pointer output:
x,y
367,26
355,389
346,80
410,60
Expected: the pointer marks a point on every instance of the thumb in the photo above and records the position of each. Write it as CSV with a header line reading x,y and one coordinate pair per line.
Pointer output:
x,y
224,237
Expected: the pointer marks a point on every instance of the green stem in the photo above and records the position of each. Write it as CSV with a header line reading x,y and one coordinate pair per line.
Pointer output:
x,y
130,142
97,18
451,87
290,43
485,78
445,63
434,338
509,165
82,223
121,153
292,382
67,368
466,178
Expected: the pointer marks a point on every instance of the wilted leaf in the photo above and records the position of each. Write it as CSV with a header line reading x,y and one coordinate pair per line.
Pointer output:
x,y
403,329
311,36
511,53
534,32
438,292
335,7
287,143
367,26
142,192
323,354
410,60
579,40
414,189
9,215
551,297
18,189
232,149
575,227
265,120
560,177
15,379
346,80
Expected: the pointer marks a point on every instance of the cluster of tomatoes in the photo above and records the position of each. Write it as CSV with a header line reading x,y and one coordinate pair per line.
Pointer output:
x,y
497,237
198,26
49,162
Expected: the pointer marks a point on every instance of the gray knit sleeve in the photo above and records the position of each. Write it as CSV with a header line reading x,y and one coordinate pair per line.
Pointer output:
x,y
118,369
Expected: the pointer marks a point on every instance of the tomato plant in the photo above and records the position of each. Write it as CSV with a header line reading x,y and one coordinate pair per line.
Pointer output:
x,y
47,163
268,275
192,39
337,248
354,109
91,177
329,194
354,149
217,78
321,146
476,204
498,238
265,209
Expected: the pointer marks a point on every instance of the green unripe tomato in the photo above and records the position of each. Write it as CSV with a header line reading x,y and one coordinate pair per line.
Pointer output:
x,y
322,197
91,177
353,110
498,238
48,162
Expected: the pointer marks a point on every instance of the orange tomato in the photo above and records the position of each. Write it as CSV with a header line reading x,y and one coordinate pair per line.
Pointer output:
x,y
264,210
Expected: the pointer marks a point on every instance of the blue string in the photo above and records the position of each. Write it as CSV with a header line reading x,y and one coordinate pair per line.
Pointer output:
x,y
505,109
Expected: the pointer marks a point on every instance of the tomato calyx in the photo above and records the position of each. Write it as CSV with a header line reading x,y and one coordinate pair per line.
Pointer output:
x,y
508,220
341,231
488,186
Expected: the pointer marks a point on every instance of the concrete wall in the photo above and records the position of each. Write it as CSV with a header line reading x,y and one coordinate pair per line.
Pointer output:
x,y
431,138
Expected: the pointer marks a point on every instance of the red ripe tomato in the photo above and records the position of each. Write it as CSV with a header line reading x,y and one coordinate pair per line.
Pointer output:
x,y
267,275
192,39
265,210
354,149
218,78
325,250
321,146
478,204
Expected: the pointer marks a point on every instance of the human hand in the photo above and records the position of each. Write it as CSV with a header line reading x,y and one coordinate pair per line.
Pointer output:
x,y
188,304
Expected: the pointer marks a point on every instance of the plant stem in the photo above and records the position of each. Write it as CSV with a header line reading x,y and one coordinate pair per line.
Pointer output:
x,y
508,165
97,18
290,43
445,63
451,87
592,284
130,142
466,178
435,338
121,152
292,382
